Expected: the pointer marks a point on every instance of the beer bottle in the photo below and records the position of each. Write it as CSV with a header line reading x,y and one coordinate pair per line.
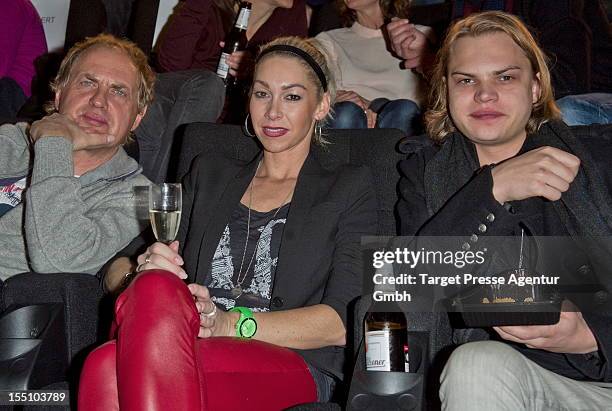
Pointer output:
x,y
236,40
386,340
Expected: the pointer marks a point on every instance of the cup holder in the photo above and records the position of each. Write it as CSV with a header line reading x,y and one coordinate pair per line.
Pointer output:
x,y
33,350
11,348
385,390
27,322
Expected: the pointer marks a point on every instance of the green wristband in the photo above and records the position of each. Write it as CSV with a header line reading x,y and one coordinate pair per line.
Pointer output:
x,y
246,327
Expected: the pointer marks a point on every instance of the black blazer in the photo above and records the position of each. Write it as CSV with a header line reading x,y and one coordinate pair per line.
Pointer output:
x,y
319,259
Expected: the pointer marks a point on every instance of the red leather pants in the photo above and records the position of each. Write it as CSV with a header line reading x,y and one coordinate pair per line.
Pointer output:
x,y
158,363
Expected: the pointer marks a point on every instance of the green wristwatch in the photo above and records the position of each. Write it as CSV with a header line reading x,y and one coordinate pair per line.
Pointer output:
x,y
246,326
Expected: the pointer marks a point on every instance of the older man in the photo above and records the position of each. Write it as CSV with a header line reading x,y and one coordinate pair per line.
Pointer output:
x,y
68,199
504,165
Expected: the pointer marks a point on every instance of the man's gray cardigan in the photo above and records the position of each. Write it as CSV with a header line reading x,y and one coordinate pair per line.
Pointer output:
x,y
65,223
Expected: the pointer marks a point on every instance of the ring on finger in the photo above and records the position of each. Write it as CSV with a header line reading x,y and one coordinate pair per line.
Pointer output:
x,y
212,313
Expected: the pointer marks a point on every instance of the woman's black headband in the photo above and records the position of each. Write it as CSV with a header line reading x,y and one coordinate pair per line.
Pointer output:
x,y
300,53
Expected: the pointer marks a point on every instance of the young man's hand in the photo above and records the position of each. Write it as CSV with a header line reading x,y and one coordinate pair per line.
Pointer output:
x,y
544,172
570,335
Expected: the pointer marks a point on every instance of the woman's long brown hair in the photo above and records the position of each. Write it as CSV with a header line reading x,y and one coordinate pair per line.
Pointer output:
x,y
390,8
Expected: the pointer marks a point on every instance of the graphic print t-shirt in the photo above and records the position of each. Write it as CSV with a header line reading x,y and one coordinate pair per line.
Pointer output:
x,y
11,190
265,235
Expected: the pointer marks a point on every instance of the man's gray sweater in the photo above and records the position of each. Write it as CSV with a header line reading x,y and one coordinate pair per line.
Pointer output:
x,y
66,223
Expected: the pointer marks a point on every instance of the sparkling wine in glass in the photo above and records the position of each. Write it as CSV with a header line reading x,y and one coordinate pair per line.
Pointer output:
x,y
165,202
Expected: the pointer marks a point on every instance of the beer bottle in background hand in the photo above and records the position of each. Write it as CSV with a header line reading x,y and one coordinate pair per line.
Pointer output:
x,y
236,40
386,340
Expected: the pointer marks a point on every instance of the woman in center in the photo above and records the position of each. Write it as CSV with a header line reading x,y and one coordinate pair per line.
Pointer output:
x,y
272,250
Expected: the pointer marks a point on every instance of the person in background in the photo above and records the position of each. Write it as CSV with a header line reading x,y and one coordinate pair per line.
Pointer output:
x,y
374,91
504,165
575,34
88,18
193,37
271,248
22,40
187,89
118,14
68,202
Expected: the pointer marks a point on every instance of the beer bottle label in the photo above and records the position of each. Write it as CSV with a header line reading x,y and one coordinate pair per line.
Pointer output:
x,y
378,355
223,67
242,22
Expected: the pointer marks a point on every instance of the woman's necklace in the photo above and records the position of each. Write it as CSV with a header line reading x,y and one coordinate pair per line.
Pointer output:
x,y
237,289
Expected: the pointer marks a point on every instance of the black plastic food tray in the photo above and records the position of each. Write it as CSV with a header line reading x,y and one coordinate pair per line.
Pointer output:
x,y
505,314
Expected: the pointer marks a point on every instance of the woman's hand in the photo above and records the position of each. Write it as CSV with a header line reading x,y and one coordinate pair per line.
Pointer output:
x,y
544,172
347,95
241,63
570,335
163,257
371,116
214,322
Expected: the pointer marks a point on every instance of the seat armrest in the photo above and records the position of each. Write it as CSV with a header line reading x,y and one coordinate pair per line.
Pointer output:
x,y
80,294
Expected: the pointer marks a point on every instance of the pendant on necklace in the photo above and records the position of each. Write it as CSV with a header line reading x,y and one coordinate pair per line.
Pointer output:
x,y
236,291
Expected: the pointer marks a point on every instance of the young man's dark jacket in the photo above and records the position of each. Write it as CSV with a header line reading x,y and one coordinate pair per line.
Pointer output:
x,y
444,192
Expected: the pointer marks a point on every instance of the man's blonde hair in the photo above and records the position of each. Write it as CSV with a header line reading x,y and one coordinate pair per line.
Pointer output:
x,y
146,76
437,119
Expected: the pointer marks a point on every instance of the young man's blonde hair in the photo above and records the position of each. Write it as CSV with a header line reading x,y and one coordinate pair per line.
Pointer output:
x,y
437,119
146,76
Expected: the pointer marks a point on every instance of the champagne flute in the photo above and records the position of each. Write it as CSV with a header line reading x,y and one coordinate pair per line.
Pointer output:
x,y
165,202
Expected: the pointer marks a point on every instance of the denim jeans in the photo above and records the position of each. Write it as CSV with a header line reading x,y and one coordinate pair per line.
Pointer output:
x,y
490,375
181,97
585,109
401,114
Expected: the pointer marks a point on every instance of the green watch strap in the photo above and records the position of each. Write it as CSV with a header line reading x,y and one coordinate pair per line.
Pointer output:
x,y
246,327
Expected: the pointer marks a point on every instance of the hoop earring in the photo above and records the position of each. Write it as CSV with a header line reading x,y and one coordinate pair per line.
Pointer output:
x,y
318,131
246,126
